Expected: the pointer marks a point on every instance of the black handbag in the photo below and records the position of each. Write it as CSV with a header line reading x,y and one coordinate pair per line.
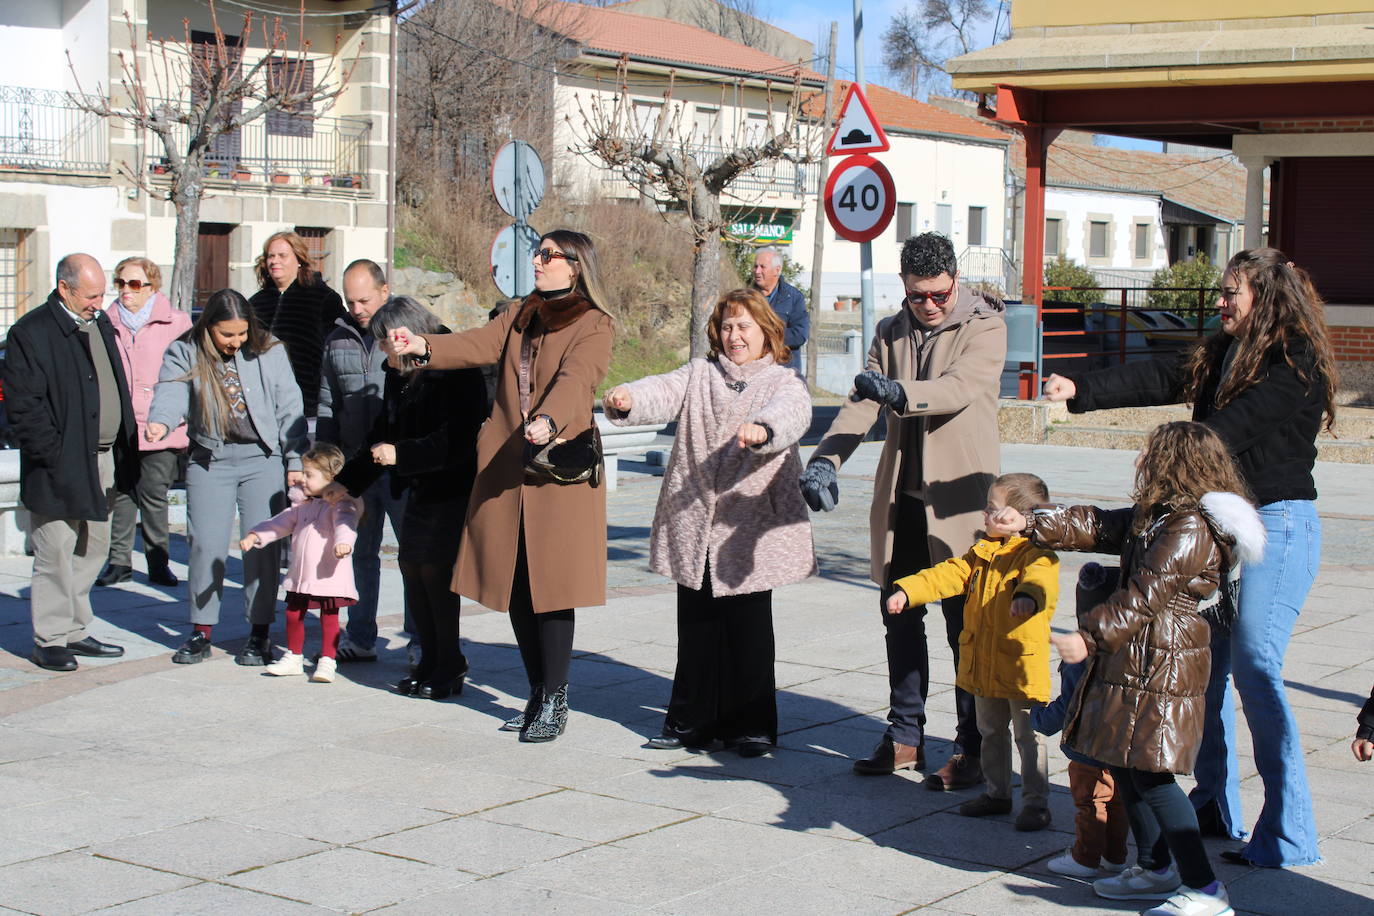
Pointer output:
x,y
560,461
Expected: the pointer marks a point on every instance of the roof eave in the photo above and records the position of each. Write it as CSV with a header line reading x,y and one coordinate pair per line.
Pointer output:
x,y
747,75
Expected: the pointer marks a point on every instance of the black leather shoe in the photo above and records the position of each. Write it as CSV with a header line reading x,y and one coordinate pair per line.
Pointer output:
x,y
113,575
95,648
408,686
753,747
193,651
161,575
889,757
54,658
256,652
664,743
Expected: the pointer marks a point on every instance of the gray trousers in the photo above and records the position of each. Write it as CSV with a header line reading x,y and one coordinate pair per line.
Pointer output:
x,y
999,720
156,471
67,556
234,476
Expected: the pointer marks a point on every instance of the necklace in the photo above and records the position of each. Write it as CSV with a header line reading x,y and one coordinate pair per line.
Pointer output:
x,y
737,386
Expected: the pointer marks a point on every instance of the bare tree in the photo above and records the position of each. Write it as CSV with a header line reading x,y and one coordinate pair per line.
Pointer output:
x,y
910,53
917,44
658,155
737,20
190,94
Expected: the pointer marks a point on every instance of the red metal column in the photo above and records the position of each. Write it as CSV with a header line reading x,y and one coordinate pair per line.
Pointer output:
x,y
1033,233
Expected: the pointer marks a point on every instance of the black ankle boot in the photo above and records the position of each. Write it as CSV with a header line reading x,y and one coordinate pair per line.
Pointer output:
x,y
517,723
551,720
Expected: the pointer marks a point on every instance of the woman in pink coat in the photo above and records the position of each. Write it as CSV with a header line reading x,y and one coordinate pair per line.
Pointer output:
x,y
145,324
731,525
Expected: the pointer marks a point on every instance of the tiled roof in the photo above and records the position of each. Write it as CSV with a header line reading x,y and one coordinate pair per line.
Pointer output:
x,y
1214,185
652,39
901,112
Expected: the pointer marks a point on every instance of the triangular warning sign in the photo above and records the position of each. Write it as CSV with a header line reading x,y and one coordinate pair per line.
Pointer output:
x,y
858,130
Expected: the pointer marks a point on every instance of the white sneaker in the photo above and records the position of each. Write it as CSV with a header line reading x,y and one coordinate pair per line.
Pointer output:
x,y
1136,883
1189,901
1065,864
287,666
324,670
348,652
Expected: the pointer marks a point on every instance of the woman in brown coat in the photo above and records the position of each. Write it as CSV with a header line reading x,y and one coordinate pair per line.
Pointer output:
x,y
1139,708
534,548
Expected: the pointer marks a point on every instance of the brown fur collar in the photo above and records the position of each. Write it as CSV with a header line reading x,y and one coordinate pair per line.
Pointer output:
x,y
554,314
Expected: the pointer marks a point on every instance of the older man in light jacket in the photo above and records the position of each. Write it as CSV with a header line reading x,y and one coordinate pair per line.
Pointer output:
x,y
935,367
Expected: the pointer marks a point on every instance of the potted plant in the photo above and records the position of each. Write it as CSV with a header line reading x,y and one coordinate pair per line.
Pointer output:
x,y
280,178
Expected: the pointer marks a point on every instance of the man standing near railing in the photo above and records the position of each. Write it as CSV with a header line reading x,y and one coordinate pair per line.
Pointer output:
x,y
785,299
70,408
936,367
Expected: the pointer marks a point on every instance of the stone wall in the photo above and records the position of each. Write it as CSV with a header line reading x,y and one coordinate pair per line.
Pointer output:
x,y
451,299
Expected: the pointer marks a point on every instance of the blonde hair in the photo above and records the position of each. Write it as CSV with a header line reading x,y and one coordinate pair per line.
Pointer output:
x,y
752,303
1181,462
150,270
325,456
305,273
1023,492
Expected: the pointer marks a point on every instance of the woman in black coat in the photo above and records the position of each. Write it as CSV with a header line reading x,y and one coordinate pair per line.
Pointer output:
x,y
427,433
298,309
1265,383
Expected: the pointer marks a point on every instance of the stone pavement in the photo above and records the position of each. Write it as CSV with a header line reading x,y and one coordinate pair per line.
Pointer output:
x,y
136,786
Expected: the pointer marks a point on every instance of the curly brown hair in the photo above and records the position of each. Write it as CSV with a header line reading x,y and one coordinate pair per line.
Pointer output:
x,y
753,303
1287,310
305,273
1180,462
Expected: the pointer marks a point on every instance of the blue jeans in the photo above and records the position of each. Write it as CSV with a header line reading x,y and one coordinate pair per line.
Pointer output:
x,y
1272,593
378,505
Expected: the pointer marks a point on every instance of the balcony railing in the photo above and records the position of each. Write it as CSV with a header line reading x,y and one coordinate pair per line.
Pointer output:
x,y
285,150
43,130
774,176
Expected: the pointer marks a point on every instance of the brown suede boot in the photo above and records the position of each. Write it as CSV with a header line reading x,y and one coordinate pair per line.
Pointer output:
x,y
959,772
890,756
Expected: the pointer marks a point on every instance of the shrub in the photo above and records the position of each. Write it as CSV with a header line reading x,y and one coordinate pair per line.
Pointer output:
x,y
1197,273
1064,271
740,264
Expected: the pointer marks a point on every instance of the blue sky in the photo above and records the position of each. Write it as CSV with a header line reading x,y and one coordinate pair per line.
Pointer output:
x,y
810,19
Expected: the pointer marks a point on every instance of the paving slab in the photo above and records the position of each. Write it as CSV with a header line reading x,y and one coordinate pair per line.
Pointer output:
x,y
136,786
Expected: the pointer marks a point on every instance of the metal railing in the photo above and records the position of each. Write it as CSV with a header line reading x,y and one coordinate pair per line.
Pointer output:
x,y
1074,334
45,130
989,264
323,152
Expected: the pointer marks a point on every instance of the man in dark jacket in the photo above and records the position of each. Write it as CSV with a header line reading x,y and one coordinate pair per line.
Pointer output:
x,y
69,405
785,299
350,399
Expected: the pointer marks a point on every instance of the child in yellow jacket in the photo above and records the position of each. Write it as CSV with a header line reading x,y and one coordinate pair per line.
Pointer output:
x,y
1004,648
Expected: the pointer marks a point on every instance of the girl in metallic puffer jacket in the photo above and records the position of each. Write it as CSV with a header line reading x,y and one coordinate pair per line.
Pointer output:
x,y
1139,707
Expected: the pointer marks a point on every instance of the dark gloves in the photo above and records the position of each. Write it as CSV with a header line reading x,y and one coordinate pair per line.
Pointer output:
x,y
872,385
819,486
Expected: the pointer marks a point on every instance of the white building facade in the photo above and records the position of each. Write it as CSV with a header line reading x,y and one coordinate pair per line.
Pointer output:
x,y
66,176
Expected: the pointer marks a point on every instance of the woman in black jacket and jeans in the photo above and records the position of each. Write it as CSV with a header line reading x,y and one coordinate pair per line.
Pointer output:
x,y
1264,383
427,432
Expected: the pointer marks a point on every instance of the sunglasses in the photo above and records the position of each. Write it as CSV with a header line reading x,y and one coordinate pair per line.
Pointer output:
x,y
937,298
545,255
134,285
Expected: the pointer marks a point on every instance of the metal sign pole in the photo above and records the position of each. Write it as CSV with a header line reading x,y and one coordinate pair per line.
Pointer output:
x,y
865,248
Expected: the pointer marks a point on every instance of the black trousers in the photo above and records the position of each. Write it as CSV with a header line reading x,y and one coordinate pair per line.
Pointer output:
x,y
908,655
545,639
434,613
1164,825
724,686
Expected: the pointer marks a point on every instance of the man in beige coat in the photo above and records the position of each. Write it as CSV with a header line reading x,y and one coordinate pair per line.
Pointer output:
x,y
936,367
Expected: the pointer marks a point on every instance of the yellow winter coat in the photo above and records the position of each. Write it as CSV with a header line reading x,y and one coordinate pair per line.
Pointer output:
x,y
1000,656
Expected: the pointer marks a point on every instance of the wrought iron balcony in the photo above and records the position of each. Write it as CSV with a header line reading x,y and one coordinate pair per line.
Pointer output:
x,y
44,130
771,177
283,149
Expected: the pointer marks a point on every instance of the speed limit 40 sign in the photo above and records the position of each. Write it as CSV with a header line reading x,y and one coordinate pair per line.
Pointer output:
x,y
860,198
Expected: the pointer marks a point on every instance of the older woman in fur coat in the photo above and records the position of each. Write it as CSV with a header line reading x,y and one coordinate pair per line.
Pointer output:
x,y
731,525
